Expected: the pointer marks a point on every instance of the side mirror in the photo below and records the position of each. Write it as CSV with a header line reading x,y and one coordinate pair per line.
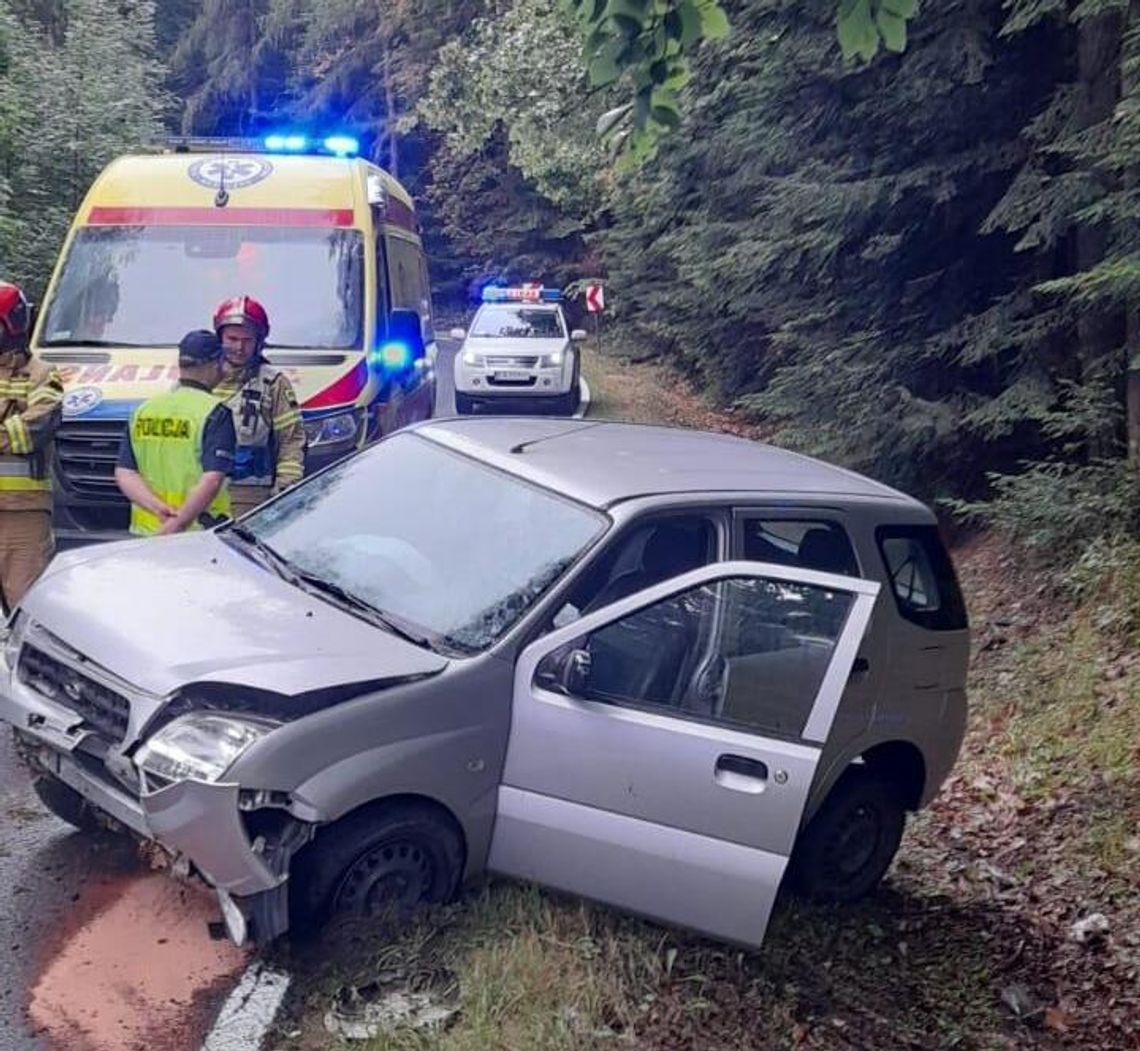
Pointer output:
x,y
565,670
458,333
33,317
578,335
404,326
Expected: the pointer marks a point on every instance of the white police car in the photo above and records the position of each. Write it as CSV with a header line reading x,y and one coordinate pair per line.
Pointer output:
x,y
518,350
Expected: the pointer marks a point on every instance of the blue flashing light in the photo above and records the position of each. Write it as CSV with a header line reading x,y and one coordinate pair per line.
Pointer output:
x,y
286,143
526,294
342,145
395,356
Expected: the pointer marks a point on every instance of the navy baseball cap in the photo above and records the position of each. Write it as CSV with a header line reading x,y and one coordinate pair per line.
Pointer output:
x,y
199,347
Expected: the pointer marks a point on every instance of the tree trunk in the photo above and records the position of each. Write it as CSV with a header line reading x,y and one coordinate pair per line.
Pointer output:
x,y
390,110
1098,329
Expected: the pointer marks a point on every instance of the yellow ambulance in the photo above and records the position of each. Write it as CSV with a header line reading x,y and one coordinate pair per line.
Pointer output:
x,y
329,243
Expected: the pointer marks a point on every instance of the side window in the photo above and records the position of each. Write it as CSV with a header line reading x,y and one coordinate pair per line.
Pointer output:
x,y
647,554
922,577
746,653
381,289
809,544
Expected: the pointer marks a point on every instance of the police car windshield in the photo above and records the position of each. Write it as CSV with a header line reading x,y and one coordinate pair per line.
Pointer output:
x,y
430,538
148,286
513,322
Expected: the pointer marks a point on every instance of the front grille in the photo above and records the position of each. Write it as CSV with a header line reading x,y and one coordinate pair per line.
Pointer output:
x,y
101,708
87,452
500,362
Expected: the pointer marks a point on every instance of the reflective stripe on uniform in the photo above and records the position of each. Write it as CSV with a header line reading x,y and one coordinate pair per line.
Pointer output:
x,y
18,437
16,476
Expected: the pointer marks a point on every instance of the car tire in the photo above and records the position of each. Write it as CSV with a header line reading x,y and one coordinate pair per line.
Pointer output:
x,y
67,804
850,843
375,861
464,405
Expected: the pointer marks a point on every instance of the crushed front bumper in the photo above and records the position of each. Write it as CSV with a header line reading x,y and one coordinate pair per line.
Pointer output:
x,y
204,827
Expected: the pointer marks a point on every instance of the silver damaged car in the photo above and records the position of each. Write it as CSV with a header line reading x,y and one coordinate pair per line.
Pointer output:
x,y
661,669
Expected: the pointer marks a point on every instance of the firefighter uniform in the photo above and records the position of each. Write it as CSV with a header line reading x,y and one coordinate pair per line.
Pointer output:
x,y
31,395
270,452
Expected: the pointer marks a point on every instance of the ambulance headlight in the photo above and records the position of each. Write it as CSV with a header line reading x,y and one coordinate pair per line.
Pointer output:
x,y
470,357
200,745
332,430
553,360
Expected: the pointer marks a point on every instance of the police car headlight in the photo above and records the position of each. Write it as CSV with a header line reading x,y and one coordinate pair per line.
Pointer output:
x,y
342,427
200,745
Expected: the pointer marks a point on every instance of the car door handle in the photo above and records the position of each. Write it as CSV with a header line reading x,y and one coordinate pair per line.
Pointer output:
x,y
741,774
861,665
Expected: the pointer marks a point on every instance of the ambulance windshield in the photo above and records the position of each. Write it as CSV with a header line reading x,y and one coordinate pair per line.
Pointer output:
x,y
148,285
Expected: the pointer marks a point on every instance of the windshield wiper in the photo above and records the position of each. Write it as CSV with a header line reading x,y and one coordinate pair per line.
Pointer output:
x,y
279,563
102,343
385,620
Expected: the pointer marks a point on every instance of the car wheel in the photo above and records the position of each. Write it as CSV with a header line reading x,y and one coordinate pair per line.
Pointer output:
x,y
376,861
848,846
67,804
463,404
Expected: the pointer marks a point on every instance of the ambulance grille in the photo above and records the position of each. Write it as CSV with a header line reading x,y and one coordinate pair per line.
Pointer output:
x,y
101,708
87,452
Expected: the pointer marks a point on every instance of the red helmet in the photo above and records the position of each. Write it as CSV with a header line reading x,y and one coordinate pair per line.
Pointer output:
x,y
243,310
15,316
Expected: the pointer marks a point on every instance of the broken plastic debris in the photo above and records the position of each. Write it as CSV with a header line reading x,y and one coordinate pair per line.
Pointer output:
x,y
355,1017
1090,929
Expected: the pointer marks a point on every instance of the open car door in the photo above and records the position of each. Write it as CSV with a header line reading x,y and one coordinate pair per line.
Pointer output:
x,y
662,749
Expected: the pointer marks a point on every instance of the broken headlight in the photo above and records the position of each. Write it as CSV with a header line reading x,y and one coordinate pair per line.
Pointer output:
x,y
201,745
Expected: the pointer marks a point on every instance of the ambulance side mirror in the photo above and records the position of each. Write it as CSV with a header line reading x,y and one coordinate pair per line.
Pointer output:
x,y
404,326
458,333
578,335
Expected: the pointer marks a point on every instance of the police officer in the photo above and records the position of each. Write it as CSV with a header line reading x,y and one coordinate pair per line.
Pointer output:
x,y
179,451
31,395
270,436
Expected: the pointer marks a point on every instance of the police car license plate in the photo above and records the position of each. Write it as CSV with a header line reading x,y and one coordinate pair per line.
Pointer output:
x,y
512,376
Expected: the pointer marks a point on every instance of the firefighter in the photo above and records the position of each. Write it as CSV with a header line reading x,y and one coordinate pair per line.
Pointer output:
x,y
31,396
179,451
270,436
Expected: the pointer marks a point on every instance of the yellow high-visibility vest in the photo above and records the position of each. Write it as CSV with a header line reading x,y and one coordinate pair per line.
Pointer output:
x,y
166,437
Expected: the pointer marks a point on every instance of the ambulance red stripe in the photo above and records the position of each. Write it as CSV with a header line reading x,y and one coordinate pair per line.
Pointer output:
x,y
103,216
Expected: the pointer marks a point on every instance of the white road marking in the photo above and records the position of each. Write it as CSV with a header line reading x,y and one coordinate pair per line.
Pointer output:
x,y
584,401
248,1014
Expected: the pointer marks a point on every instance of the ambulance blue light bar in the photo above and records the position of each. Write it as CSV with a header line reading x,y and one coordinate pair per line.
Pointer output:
x,y
526,294
286,143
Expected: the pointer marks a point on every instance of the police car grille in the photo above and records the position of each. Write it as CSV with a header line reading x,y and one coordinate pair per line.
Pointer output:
x,y
101,708
511,363
87,453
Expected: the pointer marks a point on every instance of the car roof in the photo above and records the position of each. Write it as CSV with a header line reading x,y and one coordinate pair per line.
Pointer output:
x,y
606,462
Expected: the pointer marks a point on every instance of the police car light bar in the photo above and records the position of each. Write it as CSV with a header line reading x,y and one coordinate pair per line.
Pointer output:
x,y
526,294
278,142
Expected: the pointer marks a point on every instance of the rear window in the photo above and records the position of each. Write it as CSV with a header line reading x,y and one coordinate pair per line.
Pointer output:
x,y
806,543
922,577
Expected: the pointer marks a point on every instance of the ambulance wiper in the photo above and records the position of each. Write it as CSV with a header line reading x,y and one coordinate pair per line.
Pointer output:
x,y
370,612
96,343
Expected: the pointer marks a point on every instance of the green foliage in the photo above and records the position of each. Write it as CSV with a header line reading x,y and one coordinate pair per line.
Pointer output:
x,y
67,107
1056,511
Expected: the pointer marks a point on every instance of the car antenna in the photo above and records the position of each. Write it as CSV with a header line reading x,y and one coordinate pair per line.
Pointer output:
x,y
523,446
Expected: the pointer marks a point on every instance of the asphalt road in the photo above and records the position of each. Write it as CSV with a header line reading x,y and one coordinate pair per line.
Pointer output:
x,y
54,880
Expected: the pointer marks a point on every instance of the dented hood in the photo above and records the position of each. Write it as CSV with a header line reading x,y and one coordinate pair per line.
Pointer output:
x,y
162,613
